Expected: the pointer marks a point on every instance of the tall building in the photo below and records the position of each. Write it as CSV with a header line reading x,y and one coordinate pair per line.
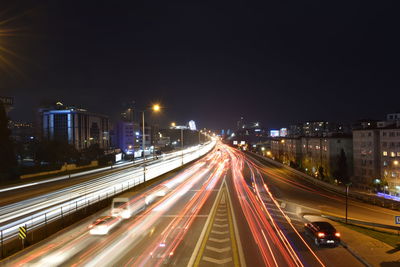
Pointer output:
x,y
77,127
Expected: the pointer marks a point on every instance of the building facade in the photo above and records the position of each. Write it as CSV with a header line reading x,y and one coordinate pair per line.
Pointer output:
x,y
287,150
366,157
377,155
76,127
390,158
325,153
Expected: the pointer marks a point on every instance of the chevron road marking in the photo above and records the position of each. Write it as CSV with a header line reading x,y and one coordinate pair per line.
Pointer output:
x,y
223,261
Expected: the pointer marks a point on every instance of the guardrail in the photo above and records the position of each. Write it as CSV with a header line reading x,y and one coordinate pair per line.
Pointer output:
x,y
71,199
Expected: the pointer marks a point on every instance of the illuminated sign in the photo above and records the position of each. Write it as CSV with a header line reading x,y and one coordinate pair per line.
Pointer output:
x,y
274,133
283,132
192,125
118,157
257,130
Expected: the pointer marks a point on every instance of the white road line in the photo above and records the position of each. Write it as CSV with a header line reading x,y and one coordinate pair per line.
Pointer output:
x,y
220,225
219,232
219,240
219,250
223,261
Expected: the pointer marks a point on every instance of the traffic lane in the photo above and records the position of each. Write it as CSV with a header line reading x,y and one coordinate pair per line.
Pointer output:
x,y
250,247
317,199
183,252
111,251
328,256
149,251
283,222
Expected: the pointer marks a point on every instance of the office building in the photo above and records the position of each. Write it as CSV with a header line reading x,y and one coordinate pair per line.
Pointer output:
x,y
77,127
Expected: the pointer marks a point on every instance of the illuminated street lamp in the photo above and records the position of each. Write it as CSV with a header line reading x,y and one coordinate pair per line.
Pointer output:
x,y
396,162
173,124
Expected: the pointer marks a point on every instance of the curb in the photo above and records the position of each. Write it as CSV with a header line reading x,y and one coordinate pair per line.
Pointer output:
x,y
355,254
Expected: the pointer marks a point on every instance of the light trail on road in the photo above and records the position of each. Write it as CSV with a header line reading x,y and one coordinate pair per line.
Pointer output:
x,y
276,248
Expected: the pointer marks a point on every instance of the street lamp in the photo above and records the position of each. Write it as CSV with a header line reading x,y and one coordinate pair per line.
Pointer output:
x,y
182,144
347,197
155,108
199,135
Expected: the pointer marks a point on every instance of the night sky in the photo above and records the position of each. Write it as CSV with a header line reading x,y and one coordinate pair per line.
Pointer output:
x,y
276,62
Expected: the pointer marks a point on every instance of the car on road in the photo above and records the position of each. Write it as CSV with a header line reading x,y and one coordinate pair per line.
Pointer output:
x,y
103,225
323,233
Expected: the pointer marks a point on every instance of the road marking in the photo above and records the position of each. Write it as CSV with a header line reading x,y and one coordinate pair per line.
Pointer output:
x,y
221,225
203,232
226,245
219,250
219,240
236,244
219,232
223,261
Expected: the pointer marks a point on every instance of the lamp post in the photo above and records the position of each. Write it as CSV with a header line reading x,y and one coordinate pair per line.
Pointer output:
x,y
199,136
155,108
182,144
347,197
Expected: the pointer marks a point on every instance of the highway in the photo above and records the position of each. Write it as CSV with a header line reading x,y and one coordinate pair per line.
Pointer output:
x,y
49,206
219,211
301,197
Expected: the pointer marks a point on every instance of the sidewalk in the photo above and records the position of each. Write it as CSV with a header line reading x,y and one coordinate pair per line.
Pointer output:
x,y
368,249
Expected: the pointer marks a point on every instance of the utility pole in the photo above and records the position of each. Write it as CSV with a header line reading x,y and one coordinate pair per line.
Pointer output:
x,y
143,147
182,144
347,198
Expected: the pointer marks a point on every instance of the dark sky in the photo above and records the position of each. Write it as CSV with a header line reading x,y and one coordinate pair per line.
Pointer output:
x,y
276,62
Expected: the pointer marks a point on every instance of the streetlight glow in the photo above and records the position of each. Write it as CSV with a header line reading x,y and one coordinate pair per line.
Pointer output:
x,y
173,124
156,107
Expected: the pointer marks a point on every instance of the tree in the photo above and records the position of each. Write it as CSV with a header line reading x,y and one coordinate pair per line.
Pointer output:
x,y
321,172
56,152
8,161
341,172
93,152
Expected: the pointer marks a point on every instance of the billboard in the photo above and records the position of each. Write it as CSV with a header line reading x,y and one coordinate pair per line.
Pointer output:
x,y
283,132
274,133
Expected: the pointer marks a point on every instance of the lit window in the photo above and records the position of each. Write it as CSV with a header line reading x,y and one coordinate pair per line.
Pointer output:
x,y
392,154
385,153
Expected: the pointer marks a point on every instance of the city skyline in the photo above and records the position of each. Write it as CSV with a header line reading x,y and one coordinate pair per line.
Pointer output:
x,y
206,64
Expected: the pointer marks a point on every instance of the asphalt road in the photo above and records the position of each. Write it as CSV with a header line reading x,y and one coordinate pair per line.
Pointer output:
x,y
302,197
219,211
